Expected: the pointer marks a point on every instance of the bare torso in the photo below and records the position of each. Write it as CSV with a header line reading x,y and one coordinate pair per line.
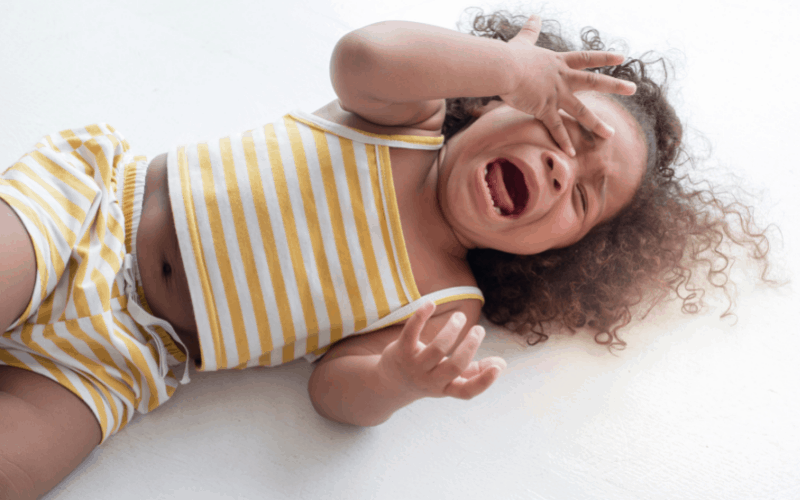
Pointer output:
x,y
163,279
437,260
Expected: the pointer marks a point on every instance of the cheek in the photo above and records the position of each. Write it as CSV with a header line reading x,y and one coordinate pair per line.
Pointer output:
x,y
564,229
458,194
563,220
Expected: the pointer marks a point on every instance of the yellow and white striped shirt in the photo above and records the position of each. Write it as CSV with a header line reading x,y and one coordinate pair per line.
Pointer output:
x,y
291,239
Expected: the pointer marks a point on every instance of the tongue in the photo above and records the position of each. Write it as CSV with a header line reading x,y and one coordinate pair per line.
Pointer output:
x,y
497,188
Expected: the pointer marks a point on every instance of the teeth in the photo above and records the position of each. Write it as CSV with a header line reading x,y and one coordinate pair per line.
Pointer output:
x,y
485,183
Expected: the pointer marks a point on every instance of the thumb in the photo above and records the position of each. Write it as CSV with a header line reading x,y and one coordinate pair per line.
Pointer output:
x,y
532,27
498,362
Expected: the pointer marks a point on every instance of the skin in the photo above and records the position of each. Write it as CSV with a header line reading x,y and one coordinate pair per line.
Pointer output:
x,y
432,355
45,430
18,269
397,75
608,170
160,264
389,78
605,172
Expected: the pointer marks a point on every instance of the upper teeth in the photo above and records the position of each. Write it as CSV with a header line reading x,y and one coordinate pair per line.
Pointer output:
x,y
485,173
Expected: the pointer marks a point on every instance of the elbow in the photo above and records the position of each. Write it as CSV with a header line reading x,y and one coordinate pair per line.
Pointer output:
x,y
356,60
316,399
353,56
317,394
367,47
331,405
363,44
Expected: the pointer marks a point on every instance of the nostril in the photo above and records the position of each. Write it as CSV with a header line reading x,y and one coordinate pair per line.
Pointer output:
x,y
556,185
550,163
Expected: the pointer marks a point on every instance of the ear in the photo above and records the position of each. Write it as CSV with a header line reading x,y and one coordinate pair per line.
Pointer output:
x,y
480,111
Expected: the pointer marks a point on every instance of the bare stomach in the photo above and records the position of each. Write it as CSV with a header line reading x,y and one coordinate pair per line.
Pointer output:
x,y
160,265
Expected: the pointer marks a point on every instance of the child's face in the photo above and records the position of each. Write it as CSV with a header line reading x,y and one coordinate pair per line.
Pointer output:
x,y
484,165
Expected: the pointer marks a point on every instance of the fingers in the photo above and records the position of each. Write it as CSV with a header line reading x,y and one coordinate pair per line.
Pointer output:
x,y
531,28
485,373
587,118
455,375
585,80
592,59
557,129
442,343
413,327
477,367
589,80
462,356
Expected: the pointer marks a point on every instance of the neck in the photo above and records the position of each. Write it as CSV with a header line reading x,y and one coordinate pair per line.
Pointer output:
x,y
453,244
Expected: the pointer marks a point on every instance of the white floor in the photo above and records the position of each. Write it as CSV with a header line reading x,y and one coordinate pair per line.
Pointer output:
x,y
695,408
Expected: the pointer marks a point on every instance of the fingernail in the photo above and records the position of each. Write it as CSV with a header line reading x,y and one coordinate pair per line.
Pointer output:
x,y
572,151
428,304
459,318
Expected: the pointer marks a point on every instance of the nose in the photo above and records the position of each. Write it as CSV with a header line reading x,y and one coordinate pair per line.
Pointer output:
x,y
559,173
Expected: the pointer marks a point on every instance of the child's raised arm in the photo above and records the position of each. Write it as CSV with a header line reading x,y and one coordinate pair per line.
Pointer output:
x,y
399,73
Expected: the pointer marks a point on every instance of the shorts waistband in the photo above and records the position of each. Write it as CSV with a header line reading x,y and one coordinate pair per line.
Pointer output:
x,y
131,193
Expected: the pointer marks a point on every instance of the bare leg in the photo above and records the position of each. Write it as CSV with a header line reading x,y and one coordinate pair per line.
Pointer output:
x,y
45,432
17,267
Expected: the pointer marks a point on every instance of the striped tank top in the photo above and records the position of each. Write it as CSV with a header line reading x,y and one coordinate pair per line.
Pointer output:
x,y
291,240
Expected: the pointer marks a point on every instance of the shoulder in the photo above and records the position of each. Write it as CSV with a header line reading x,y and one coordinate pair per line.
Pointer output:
x,y
427,124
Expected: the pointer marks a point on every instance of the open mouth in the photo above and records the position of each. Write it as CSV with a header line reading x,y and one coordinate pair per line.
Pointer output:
x,y
507,187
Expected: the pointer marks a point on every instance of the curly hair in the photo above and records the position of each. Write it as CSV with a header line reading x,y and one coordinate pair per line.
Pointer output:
x,y
672,227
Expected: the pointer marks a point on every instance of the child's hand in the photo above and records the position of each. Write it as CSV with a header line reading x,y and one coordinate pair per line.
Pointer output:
x,y
550,79
423,370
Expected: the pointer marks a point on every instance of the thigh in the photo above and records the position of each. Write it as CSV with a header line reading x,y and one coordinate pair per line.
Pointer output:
x,y
45,433
17,266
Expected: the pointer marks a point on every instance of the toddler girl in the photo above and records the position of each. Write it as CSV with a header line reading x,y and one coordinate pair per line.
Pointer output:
x,y
397,210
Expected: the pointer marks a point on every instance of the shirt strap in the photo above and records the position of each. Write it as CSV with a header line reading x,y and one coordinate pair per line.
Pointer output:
x,y
438,297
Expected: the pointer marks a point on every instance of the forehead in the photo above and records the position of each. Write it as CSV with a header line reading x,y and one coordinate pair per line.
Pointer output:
x,y
624,155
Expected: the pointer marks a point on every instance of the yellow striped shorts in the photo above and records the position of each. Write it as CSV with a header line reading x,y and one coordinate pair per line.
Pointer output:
x,y
79,194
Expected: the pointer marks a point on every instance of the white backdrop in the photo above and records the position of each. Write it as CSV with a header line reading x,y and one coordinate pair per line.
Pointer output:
x,y
695,408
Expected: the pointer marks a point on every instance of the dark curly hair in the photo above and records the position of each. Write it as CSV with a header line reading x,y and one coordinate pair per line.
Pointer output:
x,y
672,227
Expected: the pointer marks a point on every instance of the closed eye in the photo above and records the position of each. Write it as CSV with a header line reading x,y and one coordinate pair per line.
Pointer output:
x,y
584,200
